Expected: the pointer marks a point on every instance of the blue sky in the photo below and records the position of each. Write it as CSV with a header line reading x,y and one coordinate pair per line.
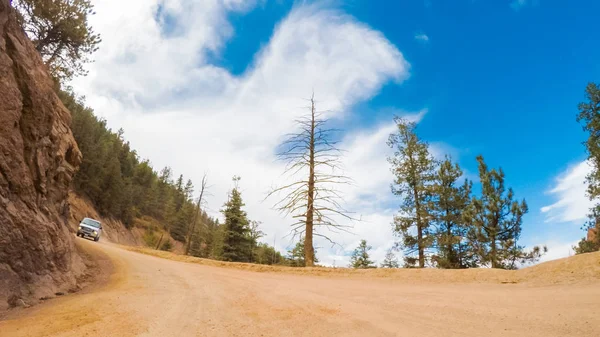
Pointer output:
x,y
497,78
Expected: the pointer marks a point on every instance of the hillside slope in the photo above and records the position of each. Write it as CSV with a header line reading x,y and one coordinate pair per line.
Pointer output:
x,y
579,269
38,158
569,270
145,232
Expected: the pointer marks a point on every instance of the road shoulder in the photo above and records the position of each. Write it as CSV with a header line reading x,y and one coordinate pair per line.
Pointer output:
x,y
99,273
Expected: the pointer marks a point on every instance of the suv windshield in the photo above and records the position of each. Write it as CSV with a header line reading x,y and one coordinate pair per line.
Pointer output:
x,y
91,222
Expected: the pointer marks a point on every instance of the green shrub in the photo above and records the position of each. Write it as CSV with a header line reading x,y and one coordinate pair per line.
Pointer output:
x,y
585,246
166,246
150,238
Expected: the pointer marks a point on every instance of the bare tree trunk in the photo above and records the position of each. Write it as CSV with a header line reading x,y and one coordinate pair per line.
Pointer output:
x,y
450,246
493,252
493,232
314,202
308,239
419,231
192,228
160,241
421,250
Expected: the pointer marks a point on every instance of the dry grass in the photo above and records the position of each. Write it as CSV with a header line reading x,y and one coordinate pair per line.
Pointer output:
x,y
573,270
147,223
584,268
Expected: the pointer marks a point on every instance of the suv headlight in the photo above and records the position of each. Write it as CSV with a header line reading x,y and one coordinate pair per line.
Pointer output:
x,y
95,233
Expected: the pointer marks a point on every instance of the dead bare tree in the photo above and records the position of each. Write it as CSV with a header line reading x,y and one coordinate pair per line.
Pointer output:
x,y
313,198
197,213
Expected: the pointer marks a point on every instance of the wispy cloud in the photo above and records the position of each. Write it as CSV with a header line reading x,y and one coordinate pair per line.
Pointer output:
x,y
517,5
570,191
422,37
558,250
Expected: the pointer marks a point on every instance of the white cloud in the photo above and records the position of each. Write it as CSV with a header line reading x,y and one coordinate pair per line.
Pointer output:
x,y
422,37
366,162
154,78
570,191
558,250
517,5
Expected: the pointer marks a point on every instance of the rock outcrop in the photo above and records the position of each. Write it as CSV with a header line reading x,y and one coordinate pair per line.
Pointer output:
x,y
591,233
38,158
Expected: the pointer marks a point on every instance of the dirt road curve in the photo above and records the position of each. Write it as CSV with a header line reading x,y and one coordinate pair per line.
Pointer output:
x,y
149,296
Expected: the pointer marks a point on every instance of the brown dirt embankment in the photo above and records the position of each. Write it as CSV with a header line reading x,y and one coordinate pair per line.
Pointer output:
x,y
99,270
580,269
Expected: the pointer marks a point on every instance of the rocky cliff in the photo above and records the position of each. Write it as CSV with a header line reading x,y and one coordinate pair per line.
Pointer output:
x,y
591,233
38,157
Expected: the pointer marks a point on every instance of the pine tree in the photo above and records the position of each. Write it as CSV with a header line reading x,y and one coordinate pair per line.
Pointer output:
x,y
236,243
390,260
589,115
254,234
360,256
266,254
448,203
496,223
207,233
296,255
143,181
413,167
201,243
60,32
166,205
183,218
180,193
218,241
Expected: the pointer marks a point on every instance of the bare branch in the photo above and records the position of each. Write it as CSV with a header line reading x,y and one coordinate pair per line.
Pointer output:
x,y
311,152
192,227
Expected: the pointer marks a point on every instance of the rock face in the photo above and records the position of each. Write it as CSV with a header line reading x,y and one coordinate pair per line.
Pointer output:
x,y
38,158
591,234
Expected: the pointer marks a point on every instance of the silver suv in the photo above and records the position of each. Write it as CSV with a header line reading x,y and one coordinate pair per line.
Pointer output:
x,y
90,227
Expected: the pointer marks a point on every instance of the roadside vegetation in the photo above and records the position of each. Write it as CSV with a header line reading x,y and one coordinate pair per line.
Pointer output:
x,y
589,116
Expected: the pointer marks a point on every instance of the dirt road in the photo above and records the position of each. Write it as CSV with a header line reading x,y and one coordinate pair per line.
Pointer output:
x,y
150,296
